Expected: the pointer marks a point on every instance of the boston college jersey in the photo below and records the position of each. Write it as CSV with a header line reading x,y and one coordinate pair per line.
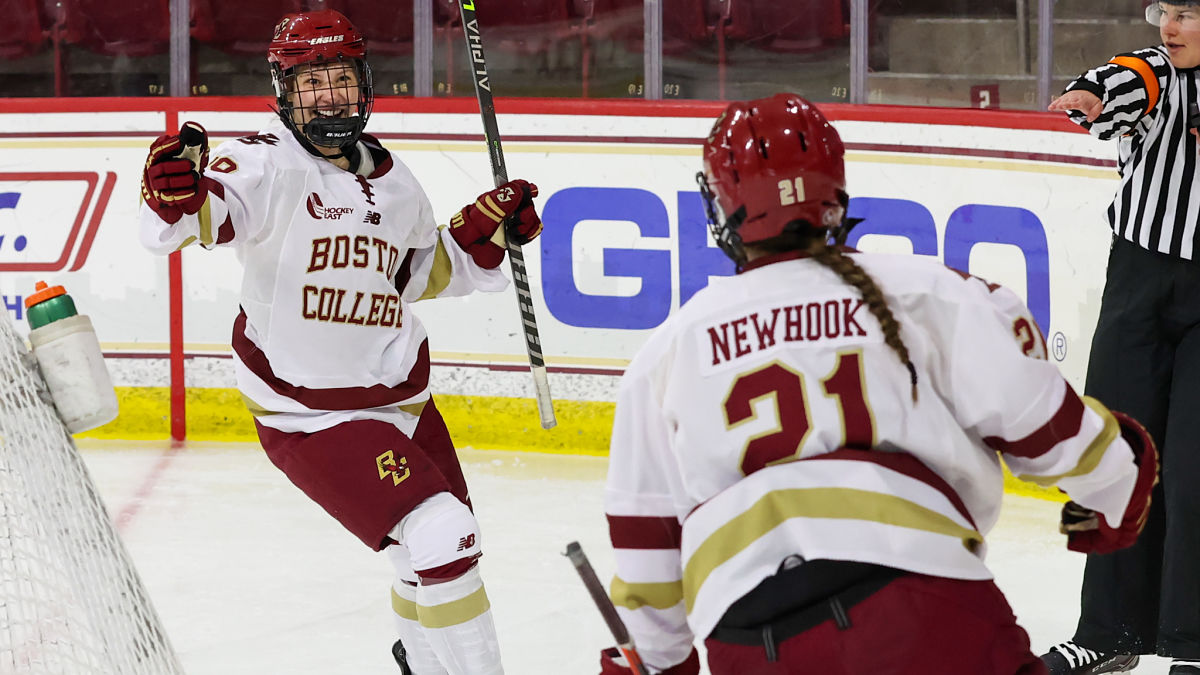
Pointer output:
x,y
784,362
331,261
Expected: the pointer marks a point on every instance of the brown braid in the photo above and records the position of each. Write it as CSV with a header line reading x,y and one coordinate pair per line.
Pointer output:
x,y
856,276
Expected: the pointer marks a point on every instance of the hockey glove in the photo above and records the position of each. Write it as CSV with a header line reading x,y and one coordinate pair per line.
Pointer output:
x,y
477,227
1086,530
613,663
172,181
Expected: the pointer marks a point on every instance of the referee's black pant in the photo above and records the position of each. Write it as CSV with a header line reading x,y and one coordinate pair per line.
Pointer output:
x,y
1145,361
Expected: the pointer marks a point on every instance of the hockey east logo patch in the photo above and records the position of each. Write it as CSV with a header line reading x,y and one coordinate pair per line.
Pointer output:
x,y
321,212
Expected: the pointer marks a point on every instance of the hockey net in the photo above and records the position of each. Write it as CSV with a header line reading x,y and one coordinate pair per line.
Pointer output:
x,y
71,601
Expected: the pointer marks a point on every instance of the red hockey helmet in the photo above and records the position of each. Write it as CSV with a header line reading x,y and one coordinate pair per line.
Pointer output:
x,y
323,35
319,37
770,165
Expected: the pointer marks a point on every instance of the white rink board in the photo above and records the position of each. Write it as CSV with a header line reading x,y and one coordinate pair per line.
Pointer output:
x,y
624,238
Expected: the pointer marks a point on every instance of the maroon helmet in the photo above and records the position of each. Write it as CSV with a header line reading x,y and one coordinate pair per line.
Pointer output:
x,y
320,37
771,165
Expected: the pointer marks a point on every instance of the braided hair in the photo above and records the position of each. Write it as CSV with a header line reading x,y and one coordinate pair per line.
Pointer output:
x,y
850,272
800,236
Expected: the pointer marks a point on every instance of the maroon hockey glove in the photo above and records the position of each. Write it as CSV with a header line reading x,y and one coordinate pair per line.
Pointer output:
x,y
172,181
1086,530
613,663
475,227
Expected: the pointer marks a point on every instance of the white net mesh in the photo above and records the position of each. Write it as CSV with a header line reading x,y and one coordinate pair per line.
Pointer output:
x,y
70,599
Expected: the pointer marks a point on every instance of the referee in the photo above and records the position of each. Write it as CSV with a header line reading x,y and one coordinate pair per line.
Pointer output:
x,y
1145,357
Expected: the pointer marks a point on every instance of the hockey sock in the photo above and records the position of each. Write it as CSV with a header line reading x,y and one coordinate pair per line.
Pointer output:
x,y
420,655
457,619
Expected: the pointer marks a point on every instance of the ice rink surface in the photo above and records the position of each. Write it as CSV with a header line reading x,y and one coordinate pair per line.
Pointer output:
x,y
251,578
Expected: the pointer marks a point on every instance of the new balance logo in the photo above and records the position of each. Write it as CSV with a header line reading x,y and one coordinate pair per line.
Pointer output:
x,y
466,542
373,217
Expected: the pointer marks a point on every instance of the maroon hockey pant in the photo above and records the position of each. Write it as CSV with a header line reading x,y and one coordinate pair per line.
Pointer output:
x,y
916,625
368,474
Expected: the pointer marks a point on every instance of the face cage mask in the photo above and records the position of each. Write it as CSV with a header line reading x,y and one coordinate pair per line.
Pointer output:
x,y
723,229
329,132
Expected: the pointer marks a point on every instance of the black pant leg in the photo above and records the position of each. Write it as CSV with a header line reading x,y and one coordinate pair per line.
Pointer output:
x,y
1179,616
1129,369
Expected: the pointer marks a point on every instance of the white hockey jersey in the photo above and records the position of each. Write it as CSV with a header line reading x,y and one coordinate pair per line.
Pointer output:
x,y
331,261
784,362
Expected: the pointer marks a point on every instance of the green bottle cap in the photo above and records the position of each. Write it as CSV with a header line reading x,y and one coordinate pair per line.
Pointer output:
x,y
47,304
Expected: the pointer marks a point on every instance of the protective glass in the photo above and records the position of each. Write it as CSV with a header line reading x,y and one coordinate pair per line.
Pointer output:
x,y
1159,14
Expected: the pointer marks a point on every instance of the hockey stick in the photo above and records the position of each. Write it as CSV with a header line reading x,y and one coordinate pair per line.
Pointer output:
x,y
487,109
604,604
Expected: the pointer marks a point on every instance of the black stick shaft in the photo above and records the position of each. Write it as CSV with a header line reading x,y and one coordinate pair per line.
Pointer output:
x,y
516,259
604,604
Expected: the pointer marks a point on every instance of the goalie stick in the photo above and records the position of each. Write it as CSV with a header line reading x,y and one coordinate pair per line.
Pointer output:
x,y
516,259
604,604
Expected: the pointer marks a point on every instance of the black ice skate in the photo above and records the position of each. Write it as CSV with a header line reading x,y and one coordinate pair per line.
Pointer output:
x,y
1180,667
1069,658
401,658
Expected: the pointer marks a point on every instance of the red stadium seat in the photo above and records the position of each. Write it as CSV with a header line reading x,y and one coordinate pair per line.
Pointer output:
x,y
550,13
239,27
387,25
796,26
686,23
518,27
126,28
26,28
534,23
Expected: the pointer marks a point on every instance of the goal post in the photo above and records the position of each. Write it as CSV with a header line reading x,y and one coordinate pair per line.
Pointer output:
x,y
71,602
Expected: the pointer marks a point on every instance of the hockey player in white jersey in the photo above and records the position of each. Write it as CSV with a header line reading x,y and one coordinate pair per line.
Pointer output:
x,y
337,238
806,457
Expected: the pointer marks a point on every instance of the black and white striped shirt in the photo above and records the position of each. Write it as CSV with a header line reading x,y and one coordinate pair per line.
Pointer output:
x,y
1145,104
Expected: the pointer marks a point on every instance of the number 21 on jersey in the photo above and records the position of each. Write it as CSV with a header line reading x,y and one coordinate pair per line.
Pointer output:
x,y
785,386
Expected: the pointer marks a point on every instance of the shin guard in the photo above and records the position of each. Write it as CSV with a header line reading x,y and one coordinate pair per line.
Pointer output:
x,y
457,619
419,653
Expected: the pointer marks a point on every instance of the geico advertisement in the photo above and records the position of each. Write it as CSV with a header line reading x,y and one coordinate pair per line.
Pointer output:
x,y
625,240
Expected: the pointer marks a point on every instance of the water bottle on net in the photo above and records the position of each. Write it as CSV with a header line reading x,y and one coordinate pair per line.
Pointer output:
x,y
68,354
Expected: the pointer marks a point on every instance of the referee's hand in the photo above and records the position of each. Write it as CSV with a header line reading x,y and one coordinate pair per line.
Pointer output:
x,y
1079,99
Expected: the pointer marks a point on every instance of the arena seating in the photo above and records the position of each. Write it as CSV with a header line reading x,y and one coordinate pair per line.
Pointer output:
x,y
129,28
27,28
238,27
686,23
796,26
389,25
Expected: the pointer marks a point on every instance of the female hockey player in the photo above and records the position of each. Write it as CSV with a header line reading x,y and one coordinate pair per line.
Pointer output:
x,y
806,457
337,238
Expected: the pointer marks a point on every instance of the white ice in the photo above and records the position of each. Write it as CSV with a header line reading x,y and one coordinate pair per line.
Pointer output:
x,y
251,578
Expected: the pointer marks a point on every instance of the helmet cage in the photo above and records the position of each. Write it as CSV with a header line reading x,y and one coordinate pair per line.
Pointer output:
x,y
310,40
330,132
724,229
